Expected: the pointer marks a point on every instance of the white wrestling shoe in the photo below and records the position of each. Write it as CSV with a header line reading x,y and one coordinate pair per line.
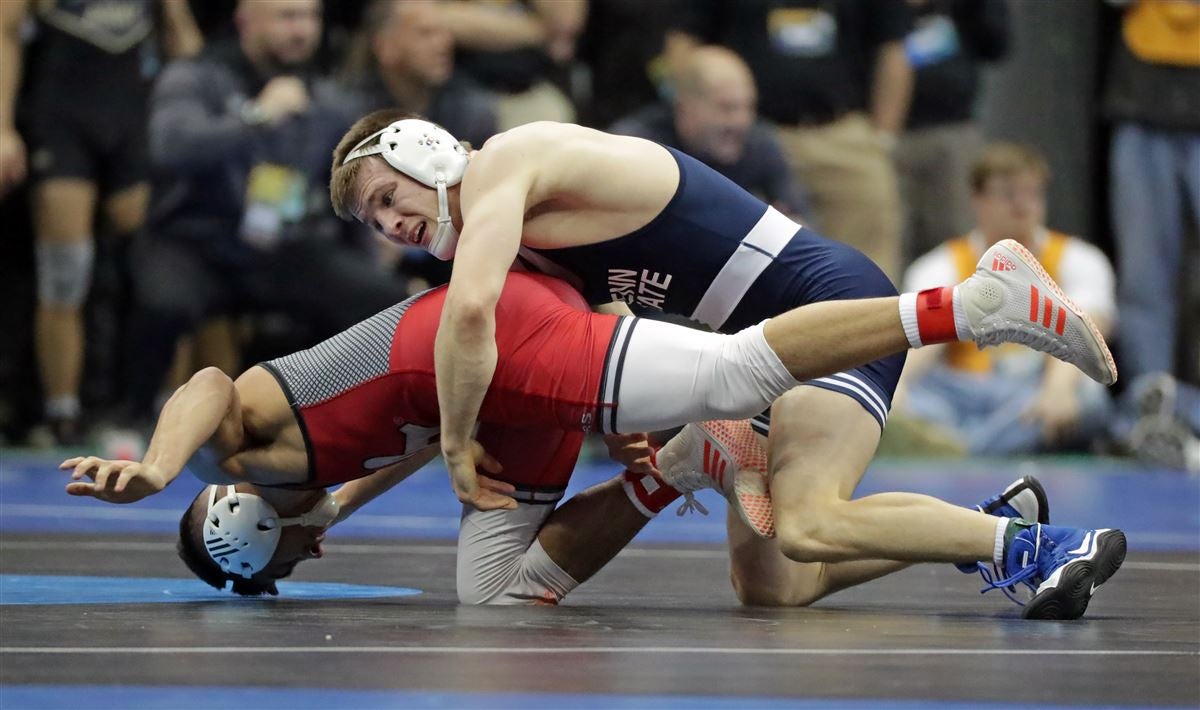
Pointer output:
x,y
726,456
1011,299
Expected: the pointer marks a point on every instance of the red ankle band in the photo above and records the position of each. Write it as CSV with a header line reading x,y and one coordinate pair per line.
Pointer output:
x,y
935,315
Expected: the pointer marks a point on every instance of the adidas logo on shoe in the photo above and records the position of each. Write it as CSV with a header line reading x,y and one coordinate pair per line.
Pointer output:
x,y
1001,262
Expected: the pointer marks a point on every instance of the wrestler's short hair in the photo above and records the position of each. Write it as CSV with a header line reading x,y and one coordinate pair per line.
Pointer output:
x,y
343,177
1004,159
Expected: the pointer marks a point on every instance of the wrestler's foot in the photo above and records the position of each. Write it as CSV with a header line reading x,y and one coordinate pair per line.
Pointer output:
x,y
1024,498
727,456
1063,565
1011,299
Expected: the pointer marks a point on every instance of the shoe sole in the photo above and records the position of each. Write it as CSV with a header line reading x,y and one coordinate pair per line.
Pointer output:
x,y
751,494
1097,339
1069,598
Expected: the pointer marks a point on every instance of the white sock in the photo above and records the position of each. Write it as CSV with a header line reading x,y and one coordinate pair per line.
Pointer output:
x,y
961,325
910,319
998,549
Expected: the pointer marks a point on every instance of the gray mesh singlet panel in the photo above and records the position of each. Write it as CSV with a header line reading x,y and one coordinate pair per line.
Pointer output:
x,y
355,356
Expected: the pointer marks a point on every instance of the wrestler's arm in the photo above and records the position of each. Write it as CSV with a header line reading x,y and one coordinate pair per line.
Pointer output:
x,y
357,493
204,410
494,196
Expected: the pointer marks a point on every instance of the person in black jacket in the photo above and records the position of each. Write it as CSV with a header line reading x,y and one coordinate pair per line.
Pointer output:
x,y
240,139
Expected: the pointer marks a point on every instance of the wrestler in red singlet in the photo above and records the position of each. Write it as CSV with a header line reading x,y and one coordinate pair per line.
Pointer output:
x,y
371,388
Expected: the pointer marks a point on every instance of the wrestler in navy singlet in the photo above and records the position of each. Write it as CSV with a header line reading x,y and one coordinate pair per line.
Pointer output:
x,y
720,256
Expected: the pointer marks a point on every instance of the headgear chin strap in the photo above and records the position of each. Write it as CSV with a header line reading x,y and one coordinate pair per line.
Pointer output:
x,y
428,154
241,530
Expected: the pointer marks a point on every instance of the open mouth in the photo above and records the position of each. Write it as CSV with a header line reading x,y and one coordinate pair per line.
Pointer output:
x,y
419,237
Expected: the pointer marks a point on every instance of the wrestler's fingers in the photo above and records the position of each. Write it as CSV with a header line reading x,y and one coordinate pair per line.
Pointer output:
x,y
70,463
488,462
86,467
103,474
493,485
127,475
78,488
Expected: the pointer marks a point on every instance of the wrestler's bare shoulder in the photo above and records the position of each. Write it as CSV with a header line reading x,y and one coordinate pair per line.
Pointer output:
x,y
579,185
569,150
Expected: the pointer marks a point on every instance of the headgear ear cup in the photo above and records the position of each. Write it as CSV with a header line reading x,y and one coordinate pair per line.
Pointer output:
x,y
428,154
241,532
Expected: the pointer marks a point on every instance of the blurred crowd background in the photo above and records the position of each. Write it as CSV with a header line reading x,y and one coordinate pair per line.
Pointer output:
x,y
163,169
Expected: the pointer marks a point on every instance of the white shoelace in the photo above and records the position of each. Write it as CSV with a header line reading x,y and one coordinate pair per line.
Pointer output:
x,y
689,479
690,504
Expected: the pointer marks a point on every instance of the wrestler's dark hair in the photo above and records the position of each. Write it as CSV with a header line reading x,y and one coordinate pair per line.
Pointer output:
x,y
191,550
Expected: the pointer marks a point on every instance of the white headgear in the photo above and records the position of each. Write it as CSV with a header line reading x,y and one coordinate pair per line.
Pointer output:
x,y
241,530
428,154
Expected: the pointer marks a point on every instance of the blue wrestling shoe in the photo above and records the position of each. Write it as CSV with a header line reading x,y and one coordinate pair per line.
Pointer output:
x,y
1024,498
1063,566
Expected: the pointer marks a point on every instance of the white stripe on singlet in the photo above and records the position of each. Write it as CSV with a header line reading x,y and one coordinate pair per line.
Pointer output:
x,y
755,253
612,375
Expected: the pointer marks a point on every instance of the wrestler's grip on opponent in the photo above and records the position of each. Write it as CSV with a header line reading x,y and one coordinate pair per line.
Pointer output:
x,y
133,480
472,487
633,451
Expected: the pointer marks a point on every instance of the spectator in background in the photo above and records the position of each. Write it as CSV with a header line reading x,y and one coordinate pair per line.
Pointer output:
x,y
713,118
519,49
998,401
833,76
82,144
1153,100
413,51
941,141
239,218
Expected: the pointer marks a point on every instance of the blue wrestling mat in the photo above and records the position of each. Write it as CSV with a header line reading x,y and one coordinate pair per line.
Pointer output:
x,y
1158,509
66,589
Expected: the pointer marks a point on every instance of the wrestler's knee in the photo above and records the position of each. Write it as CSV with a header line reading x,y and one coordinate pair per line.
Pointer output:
x,y
809,533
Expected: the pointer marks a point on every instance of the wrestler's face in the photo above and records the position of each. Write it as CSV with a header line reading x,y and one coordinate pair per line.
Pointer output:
x,y
297,543
1011,206
394,205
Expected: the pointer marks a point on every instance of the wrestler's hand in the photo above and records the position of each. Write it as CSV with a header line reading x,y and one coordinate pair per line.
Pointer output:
x,y
113,481
473,488
633,451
